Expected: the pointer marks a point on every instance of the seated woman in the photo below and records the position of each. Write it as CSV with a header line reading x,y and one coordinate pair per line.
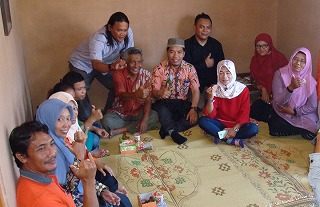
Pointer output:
x,y
264,63
228,108
294,98
92,142
57,115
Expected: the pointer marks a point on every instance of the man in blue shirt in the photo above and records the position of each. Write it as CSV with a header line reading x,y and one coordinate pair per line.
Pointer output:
x,y
99,55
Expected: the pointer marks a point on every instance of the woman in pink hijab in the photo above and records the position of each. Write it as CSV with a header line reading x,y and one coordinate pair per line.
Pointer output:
x,y
294,98
266,60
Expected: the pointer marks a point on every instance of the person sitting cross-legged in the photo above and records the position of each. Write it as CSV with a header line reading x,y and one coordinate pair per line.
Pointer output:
x,y
131,110
228,108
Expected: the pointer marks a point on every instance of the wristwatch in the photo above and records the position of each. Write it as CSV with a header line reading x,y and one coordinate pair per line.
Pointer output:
x,y
236,129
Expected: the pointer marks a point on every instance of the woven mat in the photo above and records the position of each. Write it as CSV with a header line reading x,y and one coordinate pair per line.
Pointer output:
x,y
267,172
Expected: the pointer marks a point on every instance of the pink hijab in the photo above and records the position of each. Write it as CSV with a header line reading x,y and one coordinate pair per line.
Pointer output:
x,y
262,68
301,94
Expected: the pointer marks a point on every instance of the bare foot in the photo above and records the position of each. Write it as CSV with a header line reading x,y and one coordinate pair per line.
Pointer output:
x,y
122,190
115,132
98,153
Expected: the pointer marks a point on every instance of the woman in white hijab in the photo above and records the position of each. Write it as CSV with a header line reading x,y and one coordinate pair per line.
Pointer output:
x,y
228,108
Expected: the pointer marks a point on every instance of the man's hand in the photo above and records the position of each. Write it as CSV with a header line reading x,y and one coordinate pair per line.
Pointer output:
x,y
110,197
164,93
101,167
101,132
142,92
192,116
143,125
118,64
209,61
87,170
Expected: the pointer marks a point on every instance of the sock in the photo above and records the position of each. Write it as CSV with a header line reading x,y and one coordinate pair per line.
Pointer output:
x,y
162,133
216,140
177,138
236,142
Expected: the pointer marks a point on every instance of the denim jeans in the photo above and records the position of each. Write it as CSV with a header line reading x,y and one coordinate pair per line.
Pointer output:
x,y
172,114
213,126
106,80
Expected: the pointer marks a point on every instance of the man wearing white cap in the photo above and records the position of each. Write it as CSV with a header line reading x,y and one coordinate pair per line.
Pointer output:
x,y
171,81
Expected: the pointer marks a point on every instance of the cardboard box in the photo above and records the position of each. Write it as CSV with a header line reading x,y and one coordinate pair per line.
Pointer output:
x,y
127,149
144,197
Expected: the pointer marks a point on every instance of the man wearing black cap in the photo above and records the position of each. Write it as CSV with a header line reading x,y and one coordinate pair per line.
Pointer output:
x,y
171,81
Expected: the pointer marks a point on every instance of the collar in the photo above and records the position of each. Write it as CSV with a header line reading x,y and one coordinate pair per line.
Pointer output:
x,y
36,177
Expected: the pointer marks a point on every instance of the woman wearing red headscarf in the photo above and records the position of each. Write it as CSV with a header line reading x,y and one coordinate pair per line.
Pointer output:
x,y
266,60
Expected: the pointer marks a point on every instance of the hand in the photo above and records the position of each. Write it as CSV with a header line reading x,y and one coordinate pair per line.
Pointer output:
x,y
101,132
87,169
265,95
142,92
110,197
211,91
192,116
118,64
230,133
164,93
101,167
96,114
143,125
209,61
295,82
285,109
80,136
78,149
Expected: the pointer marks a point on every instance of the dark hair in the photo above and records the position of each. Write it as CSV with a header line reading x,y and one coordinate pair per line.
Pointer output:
x,y
184,49
116,17
22,135
202,16
61,86
130,51
71,78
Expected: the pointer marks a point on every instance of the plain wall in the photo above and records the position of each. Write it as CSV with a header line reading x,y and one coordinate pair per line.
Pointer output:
x,y
15,104
52,29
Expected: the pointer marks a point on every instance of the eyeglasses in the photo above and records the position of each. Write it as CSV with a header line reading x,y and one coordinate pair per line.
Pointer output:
x,y
302,61
262,46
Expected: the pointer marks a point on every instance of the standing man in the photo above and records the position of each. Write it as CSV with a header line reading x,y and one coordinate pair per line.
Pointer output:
x,y
35,152
204,52
171,81
98,57
131,110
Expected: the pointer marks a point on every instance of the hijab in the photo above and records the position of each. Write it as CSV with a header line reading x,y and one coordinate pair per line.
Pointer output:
x,y
66,98
234,88
262,68
300,95
48,113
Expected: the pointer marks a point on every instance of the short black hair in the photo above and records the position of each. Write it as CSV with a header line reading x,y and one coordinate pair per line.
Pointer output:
x,y
71,78
22,135
116,17
61,86
202,16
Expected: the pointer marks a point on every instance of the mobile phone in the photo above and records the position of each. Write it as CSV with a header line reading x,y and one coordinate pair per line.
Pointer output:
x,y
222,134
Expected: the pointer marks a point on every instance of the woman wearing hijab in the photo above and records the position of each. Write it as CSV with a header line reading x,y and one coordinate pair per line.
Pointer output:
x,y
228,107
92,138
266,60
294,98
57,115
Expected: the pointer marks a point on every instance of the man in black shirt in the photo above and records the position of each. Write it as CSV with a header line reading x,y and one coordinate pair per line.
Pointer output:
x,y
204,52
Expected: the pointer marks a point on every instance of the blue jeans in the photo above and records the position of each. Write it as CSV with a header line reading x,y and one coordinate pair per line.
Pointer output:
x,y
172,114
213,126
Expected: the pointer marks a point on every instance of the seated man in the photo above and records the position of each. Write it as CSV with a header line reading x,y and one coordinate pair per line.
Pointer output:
x,y
171,81
35,153
131,110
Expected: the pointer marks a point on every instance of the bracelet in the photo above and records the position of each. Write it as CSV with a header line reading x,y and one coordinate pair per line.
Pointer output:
x,y
289,89
194,108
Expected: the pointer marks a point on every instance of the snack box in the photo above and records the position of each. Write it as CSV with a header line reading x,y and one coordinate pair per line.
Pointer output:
x,y
143,197
128,148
